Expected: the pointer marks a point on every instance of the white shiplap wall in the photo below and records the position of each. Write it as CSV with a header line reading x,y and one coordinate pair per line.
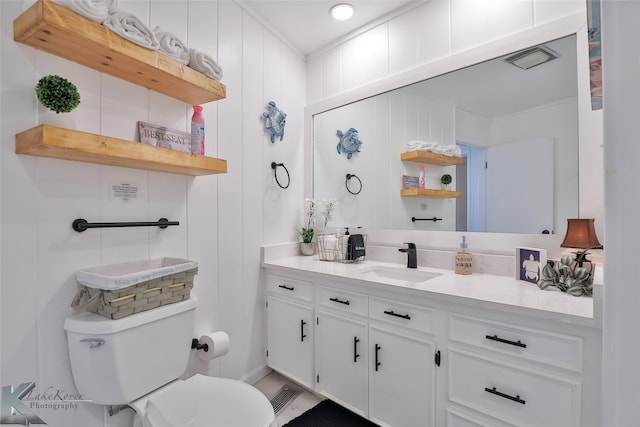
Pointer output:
x,y
223,218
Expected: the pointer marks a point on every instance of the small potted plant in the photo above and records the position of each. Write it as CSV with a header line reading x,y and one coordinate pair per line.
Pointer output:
x,y
58,95
446,180
306,246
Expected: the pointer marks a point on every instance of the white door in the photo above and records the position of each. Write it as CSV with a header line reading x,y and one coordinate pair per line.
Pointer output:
x,y
519,187
342,361
402,380
290,339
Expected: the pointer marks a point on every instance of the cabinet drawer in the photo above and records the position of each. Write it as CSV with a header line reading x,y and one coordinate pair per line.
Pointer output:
x,y
343,301
456,418
290,287
528,344
513,394
407,315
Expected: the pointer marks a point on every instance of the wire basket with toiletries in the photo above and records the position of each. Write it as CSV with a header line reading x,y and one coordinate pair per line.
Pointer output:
x,y
342,247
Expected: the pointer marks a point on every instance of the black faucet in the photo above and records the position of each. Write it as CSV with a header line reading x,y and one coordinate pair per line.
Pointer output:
x,y
412,259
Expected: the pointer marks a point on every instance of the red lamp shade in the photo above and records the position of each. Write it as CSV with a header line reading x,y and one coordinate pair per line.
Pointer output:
x,y
581,234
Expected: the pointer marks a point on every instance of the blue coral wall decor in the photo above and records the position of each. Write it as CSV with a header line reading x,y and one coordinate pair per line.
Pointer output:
x,y
275,120
349,142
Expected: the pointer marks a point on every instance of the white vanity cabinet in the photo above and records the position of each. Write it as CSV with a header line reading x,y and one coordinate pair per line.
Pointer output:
x,y
378,360
517,374
290,328
341,348
404,358
402,382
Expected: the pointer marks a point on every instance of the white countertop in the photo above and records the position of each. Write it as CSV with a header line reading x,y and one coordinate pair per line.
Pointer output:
x,y
495,292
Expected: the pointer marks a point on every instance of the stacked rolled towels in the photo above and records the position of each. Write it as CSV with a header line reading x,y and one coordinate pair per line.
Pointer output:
x,y
96,10
447,150
205,64
131,28
172,46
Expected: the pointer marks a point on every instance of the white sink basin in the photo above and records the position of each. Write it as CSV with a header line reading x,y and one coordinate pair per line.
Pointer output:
x,y
403,274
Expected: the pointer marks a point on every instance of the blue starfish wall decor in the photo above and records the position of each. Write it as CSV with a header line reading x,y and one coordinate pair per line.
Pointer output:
x,y
274,121
349,142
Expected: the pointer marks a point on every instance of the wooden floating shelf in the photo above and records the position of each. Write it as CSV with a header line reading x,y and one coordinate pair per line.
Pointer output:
x,y
427,192
55,29
430,158
66,144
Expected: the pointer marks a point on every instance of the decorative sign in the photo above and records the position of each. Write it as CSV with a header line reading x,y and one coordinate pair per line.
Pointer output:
x,y
349,142
161,136
124,191
275,120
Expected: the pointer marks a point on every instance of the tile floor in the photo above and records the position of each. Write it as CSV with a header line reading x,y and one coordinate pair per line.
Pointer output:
x,y
270,385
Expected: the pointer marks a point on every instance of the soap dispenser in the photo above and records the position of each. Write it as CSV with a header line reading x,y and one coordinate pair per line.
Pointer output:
x,y
463,259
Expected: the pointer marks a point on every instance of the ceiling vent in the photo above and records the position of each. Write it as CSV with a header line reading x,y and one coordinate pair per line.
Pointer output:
x,y
532,57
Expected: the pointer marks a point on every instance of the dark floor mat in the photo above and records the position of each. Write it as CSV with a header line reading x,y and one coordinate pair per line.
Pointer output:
x,y
329,414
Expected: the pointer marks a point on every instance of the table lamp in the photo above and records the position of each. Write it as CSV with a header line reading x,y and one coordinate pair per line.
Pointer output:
x,y
581,234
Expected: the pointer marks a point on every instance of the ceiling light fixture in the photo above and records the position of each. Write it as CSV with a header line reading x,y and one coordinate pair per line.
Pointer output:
x,y
530,58
341,11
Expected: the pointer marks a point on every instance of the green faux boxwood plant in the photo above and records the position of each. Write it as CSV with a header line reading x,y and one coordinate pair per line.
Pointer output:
x,y
57,94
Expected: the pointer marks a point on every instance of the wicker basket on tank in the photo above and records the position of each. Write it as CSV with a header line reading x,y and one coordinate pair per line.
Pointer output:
x,y
120,290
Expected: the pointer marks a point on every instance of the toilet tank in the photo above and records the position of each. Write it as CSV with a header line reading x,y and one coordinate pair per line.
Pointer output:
x,y
114,362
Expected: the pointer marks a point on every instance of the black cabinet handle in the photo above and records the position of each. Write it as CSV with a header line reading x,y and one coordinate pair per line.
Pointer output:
x,y
345,302
286,287
302,335
404,316
502,340
377,354
506,396
355,349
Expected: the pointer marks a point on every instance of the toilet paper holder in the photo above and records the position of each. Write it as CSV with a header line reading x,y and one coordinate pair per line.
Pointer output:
x,y
196,344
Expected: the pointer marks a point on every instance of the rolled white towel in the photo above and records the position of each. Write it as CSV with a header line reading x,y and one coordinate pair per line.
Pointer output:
x,y
202,62
172,46
96,10
420,145
131,28
448,150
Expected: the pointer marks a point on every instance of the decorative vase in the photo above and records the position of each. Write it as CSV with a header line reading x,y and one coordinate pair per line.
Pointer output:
x,y
307,248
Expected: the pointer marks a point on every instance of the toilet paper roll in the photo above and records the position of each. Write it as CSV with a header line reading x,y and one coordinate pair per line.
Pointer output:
x,y
217,343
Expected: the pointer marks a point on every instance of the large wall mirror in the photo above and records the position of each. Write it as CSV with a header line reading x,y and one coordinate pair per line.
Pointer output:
x,y
517,130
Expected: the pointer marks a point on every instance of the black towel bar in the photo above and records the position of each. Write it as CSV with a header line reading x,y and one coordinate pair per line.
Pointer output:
x,y
434,219
81,225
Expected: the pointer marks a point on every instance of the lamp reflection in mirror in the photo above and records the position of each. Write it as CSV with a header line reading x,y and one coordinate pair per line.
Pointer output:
x,y
581,234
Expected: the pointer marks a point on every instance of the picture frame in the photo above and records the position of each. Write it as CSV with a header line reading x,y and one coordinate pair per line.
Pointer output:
x,y
529,263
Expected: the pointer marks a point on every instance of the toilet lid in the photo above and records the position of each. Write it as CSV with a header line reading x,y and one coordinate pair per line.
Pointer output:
x,y
203,401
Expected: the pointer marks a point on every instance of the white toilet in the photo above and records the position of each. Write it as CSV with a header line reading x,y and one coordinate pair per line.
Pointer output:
x,y
136,361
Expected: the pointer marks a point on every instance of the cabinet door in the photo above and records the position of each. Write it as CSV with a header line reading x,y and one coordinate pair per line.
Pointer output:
x,y
402,380
341,354
290,339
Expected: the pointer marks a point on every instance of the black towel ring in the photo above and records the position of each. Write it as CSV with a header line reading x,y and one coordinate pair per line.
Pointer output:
x,y
275,166
346,183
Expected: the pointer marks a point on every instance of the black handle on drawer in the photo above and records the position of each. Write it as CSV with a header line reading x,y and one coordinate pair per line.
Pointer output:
x,y
345,302
286,287
506,396
355,349
377,360
302,335
404,316
502,340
